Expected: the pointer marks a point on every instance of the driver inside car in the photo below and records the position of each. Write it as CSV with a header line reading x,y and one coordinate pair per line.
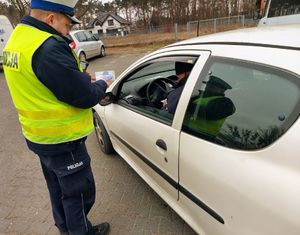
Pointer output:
x,y
183,70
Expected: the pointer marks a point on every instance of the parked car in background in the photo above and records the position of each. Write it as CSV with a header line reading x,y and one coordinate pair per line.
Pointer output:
x,y
86,45
5,32
227,163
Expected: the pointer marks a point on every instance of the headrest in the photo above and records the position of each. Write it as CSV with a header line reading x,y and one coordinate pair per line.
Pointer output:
x,y
65,7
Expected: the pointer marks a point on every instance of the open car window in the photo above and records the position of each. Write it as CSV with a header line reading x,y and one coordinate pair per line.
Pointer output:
x,y
146,89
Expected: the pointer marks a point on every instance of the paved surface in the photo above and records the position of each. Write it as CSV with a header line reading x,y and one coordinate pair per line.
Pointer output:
x,y
123,199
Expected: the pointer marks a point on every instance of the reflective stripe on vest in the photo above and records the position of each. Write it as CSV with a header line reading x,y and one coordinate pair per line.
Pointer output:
x,y
44,119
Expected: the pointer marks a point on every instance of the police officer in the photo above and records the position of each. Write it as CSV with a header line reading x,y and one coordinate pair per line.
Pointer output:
x,y
208,111
53,98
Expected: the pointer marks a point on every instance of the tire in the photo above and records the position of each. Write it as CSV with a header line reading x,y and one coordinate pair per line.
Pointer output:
x,y
102,51
82,56
102,135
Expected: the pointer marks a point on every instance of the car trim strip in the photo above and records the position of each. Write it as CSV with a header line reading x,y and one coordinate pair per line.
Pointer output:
x,y
237,44
201,204
144,159
175,184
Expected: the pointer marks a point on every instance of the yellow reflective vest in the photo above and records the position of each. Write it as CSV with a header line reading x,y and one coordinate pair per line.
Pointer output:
x,y
201,123
44,119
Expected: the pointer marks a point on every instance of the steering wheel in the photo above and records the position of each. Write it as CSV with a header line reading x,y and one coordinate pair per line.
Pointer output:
x,y
158,89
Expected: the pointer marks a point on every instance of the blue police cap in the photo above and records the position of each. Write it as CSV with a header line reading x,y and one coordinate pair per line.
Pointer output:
x,y
65,7
217,82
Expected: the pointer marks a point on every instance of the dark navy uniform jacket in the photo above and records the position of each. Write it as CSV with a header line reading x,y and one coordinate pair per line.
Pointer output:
x,y
55,66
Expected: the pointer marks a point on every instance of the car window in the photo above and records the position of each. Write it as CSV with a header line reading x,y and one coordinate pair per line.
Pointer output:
x,y
89,36
147,89
282,8
242,105
69,37
81,37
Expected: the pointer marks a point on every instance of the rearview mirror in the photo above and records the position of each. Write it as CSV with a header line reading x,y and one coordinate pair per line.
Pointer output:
x,y
108,99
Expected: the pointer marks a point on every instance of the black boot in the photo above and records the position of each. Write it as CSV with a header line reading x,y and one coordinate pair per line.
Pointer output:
x,y
101,229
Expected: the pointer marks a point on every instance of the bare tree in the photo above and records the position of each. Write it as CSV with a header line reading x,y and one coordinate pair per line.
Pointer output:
x,y
146,13
15,10
21,7
83,6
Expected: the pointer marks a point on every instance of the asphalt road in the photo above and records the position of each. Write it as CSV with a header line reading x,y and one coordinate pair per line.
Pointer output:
x,y
123,198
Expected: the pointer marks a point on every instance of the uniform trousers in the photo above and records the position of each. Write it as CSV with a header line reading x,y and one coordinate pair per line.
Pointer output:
x,y
67,171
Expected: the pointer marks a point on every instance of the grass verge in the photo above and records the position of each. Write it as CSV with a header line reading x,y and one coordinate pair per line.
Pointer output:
x,y
144,43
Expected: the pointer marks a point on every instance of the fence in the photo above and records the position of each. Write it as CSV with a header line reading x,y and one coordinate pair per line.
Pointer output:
x,y
170,33
196,28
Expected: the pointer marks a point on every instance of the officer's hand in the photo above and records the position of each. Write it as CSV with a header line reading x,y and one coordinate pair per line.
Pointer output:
x,y
107,76
93,78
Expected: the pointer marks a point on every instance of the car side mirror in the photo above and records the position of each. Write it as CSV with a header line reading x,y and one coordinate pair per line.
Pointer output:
x,y
108,99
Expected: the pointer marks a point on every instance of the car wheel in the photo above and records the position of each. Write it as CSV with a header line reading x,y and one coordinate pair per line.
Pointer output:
x,y
102,52
82,56
102,135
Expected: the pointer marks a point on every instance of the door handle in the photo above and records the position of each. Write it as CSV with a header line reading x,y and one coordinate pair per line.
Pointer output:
x,y
162,144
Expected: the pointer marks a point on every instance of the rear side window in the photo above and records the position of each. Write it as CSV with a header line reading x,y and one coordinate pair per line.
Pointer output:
x,y
81,37
89,36
242,105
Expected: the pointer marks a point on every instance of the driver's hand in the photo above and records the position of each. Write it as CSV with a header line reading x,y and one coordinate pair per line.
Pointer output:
x,y
164,103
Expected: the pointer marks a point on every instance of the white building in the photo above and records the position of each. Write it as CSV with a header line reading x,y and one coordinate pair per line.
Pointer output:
x,y
107,23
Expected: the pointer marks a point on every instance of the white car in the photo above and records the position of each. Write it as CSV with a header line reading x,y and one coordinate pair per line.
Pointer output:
x,y
5,32
86,45
226,163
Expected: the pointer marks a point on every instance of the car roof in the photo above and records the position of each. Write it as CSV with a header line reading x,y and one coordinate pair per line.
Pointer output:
x,y
78,30
274,36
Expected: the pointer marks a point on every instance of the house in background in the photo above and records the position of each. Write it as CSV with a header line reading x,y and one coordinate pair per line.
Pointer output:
x,y
110,24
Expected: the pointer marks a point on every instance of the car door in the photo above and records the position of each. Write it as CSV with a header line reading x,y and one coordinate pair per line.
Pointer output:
x,y
147,137
236,176
93,45
82,43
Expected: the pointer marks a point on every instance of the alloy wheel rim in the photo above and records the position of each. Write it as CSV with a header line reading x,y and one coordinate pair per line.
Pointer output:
x,y
99,133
